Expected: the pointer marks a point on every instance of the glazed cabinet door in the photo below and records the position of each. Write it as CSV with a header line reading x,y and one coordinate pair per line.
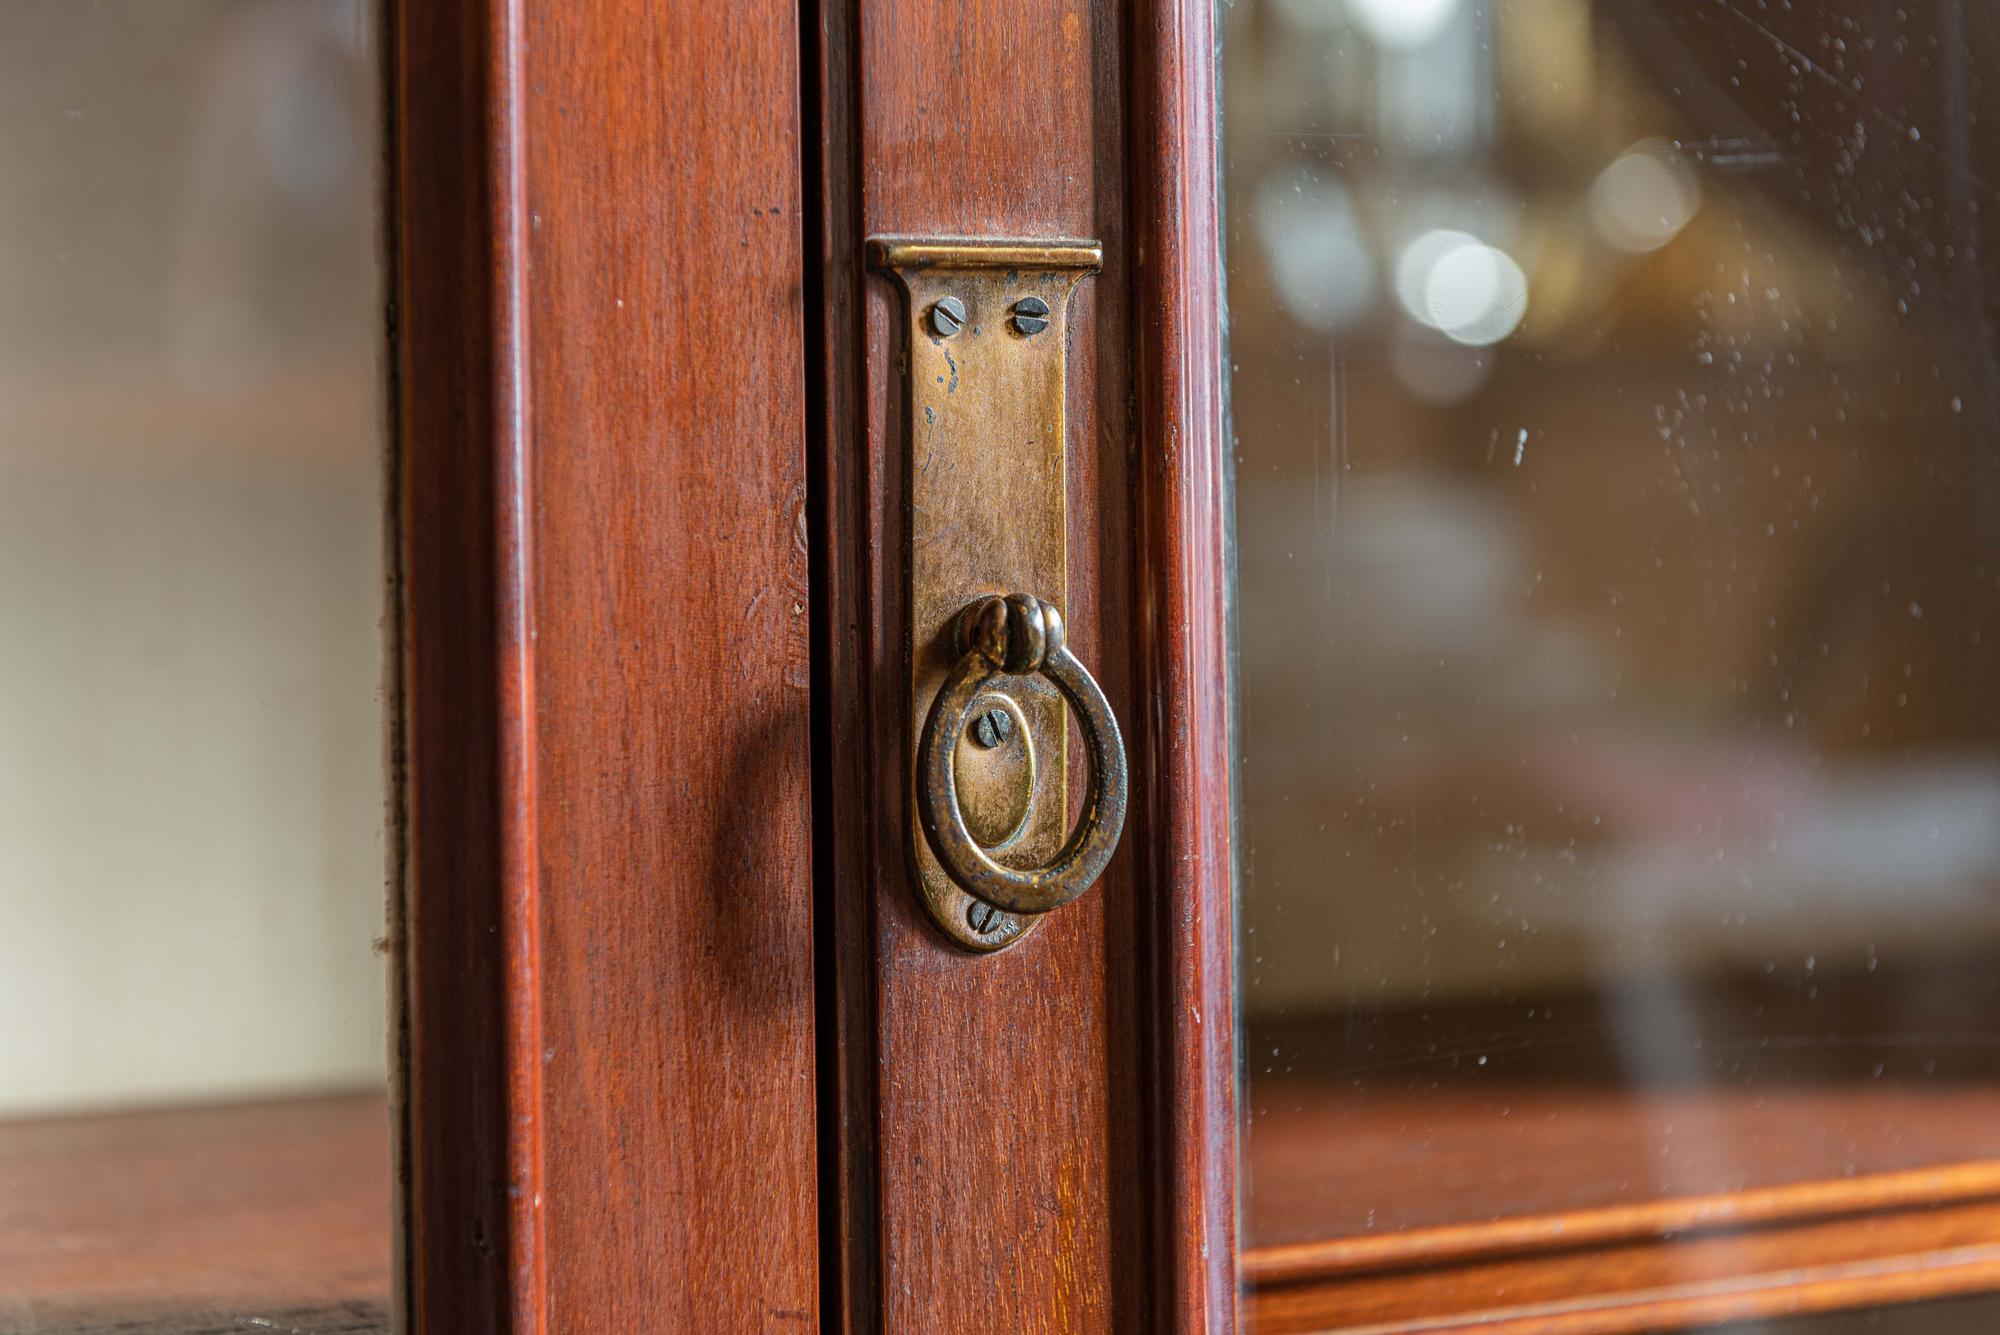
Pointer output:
x,y
1614,395
1572,660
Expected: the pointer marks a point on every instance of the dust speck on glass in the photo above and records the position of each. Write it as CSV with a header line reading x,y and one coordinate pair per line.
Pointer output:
x,y
1615,387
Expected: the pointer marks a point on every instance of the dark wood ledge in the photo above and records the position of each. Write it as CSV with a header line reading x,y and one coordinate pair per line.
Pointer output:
x,y
248,1217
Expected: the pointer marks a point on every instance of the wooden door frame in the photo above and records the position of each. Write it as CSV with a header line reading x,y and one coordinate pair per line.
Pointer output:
x,y
600,454
1187,666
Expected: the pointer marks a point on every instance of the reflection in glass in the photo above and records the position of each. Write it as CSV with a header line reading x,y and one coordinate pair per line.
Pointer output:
x,y
191,592
1619,535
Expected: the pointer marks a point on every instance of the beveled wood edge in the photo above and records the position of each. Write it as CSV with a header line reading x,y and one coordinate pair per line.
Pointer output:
x,y
1798,1202
1183,774
468,1077
1805,1291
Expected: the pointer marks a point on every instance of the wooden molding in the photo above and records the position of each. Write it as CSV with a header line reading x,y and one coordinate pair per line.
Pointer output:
x,y
1182,632
469,1145
1803,1247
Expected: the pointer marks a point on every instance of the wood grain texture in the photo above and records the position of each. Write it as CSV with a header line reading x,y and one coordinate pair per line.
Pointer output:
x,y
1037,1140
1814,1239
1660,1283
1184,665
1574,1230
610,1057
672,666
1006,1123
175,1218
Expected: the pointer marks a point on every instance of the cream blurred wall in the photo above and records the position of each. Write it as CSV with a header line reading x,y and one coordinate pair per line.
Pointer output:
x,y
192,586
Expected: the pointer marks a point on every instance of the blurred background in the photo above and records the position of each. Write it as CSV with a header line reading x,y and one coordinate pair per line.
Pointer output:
x,y
193,760
192,777
1619,539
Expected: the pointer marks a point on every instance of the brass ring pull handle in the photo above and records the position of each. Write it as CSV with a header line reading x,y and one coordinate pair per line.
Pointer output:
x,y
1015,636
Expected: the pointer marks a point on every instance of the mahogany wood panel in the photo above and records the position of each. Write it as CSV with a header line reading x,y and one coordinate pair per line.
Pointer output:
x,y
1038,1140
175,1217
610,1035
1006,1123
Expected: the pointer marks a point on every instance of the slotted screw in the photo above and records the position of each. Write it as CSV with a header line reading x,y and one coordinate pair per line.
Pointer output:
x,y
994,727
947,316
984,918
1031,315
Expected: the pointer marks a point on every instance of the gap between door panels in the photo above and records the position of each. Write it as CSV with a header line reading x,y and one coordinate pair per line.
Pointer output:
x,y
845,1186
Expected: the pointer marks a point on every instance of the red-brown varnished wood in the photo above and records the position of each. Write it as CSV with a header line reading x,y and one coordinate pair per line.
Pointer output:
x,y
1667,1282
1183,665
1039,1140
610,1059
470,1126
225,1215
992,1100
1500,1179
672,662
1577,1230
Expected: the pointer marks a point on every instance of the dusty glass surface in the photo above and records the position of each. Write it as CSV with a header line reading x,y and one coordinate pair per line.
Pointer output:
x,y
191,599
1616,388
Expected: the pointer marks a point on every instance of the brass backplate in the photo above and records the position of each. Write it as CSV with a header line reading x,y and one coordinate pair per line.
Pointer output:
x,y
987,515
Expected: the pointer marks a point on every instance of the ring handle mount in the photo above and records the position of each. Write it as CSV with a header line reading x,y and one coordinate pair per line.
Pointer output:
x,y
1016,636
985,348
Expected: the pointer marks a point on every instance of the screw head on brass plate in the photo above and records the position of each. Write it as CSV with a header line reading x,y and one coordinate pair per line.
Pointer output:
x,y
987,919
1031,315
994,727
947,316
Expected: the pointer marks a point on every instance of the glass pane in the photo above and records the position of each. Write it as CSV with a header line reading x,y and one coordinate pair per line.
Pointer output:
x,y
1616,389
192,1107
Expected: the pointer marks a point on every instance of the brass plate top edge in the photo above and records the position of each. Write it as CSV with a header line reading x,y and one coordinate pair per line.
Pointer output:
x,y
900,254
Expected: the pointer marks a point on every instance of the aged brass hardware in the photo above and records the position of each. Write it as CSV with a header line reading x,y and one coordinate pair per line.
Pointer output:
x,y
996,771
986,347
1015,636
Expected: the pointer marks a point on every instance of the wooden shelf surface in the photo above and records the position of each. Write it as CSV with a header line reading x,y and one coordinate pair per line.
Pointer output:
x,y
1544,1207
1323,1162
182,1221
1530,1209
